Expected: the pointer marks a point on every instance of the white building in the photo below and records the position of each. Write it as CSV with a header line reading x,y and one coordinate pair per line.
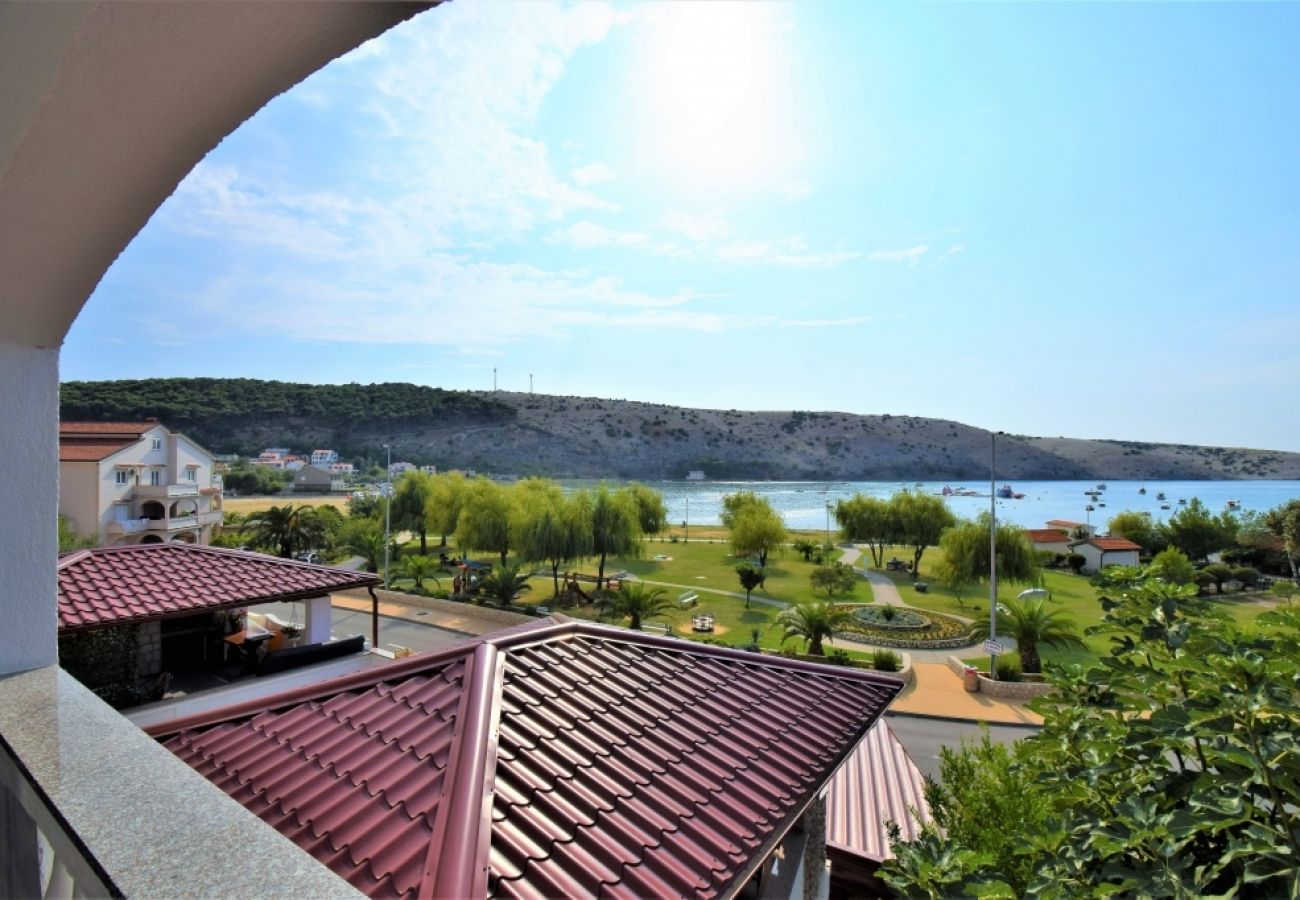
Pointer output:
x,y
136,483
429,470
341,468
398,469
322,459
1100,552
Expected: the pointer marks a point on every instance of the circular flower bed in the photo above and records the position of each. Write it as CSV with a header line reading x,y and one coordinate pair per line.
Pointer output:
x,y
890,618
939,633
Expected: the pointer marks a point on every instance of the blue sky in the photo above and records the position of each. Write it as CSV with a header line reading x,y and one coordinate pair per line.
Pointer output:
x,y
1048,219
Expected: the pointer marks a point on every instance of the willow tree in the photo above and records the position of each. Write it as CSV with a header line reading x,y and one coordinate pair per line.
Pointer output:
x,y
615,526
442,509
410,500
652,513
486,516
756,528
965,561
919,522
553,529
870,521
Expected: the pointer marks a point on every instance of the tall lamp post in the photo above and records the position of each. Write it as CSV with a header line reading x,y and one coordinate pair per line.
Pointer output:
x,y
686,522
388,510
828,524
993,551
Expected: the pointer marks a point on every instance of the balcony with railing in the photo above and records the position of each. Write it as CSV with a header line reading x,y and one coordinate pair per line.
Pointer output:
x,y
128,526
164,491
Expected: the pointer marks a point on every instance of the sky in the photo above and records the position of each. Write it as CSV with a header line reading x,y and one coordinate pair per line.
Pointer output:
x,y
1047,219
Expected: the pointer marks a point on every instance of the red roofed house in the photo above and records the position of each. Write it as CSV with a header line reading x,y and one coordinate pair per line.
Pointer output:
x,y
1099,552
1050,539
1069,527
557,760
129,613
136,483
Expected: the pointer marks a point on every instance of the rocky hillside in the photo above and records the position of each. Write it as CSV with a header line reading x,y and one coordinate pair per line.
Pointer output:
x,y
588,437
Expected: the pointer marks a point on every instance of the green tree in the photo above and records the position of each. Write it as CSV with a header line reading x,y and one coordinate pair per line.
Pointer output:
x,y
1033,624
636,601
615,526
504,584
1284,521
804,548
868,520
814,623
1218,574
446,496
1168,769
365,538
1198,532
920,520
651,512
556,531
69,540
486,516
966,555
756,528
1173,566
751,576
410,501
834,578
286,529
1138,528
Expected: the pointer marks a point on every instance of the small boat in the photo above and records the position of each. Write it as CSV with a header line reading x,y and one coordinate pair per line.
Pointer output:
x,y
1160,496
1182,499
1143,489
918,484
1090,507
1005,492
1101,486
1164,505
947,491
1101,504
1234,504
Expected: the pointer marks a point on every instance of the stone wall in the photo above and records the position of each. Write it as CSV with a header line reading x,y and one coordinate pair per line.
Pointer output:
x,y
502,617
148,658
1003,690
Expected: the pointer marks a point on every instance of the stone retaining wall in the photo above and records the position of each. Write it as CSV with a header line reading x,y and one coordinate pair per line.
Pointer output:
x,y
1003,690
504,617
148,652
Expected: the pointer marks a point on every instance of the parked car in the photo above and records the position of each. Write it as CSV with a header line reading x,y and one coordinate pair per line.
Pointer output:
x,y
309,556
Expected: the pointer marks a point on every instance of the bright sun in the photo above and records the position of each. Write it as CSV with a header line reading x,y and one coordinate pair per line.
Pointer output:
x,y
715,113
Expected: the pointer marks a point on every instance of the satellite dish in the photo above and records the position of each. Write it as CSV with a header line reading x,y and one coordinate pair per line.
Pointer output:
x,y
1034,594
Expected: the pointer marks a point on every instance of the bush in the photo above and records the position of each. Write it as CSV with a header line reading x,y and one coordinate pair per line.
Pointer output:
x,y
889,613
1247,576
1008,668
886,661
1075,561
839,658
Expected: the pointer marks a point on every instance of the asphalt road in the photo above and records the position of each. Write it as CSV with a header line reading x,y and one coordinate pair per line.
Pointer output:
x,y
403,632
923,737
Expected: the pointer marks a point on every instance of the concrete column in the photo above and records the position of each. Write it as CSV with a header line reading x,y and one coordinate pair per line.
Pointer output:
x,y
318,620
816,886
29,505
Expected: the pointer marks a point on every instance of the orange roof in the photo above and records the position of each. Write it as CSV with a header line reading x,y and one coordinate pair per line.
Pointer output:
x,y
1110,543
1064,522
1046,535
76,450
117,429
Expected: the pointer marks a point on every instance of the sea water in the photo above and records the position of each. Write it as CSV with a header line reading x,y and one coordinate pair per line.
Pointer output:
x,y
803,504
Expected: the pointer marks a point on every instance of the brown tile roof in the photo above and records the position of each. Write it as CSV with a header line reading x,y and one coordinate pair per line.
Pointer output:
x,y
91,450
878,784
1064,523
114,585
1046,535
571,759
117,429
1109,543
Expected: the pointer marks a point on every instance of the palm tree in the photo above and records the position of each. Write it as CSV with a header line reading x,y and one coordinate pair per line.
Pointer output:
x,y
504,584
418,568
637,602
814,622
286,529
1031,623
364,538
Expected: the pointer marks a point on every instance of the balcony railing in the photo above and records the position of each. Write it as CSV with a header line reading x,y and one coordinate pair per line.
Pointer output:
x,y
174,523
210,518
128,526
152,491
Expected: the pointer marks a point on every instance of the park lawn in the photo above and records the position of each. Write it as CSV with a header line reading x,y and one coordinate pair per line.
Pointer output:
x,y
249,505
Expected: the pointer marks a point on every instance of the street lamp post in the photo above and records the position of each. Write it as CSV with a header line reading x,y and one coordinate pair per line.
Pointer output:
x,y
993,551
828,524
388,509
686,523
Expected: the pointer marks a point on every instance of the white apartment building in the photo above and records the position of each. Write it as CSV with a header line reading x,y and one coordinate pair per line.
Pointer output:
x,y
322,459
341,468
429,470
136,483
398,469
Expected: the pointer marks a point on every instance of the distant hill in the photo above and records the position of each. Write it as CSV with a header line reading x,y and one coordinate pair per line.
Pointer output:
x,y
584,437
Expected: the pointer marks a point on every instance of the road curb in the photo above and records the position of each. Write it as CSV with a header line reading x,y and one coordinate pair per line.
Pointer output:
x,y
1028,726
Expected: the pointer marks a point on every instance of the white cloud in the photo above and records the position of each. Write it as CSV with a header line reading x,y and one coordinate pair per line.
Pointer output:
x,y
596,173
911,256
791,252
585,235
829,323
703,227
796,190
955,248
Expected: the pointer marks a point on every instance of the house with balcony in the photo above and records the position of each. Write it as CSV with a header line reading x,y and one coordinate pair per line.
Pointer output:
x,y
322,459
136,483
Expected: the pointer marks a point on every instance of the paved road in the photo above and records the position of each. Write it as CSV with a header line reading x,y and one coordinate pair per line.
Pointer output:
x,y
403,632
923,737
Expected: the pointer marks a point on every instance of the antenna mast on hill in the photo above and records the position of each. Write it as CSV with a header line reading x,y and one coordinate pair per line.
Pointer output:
x,y
494,379
530,382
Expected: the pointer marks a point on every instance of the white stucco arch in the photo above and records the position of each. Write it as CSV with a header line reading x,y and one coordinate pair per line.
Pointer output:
x,y
105,106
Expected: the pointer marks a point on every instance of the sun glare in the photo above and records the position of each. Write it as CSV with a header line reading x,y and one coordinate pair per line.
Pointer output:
x,y
715,111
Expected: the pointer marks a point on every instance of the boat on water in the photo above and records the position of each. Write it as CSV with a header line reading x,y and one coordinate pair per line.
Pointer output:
x,y
1182,500
1234,504
1101,504
1164,505
1160,496
1090,507
1006,493
1101,486
1143,489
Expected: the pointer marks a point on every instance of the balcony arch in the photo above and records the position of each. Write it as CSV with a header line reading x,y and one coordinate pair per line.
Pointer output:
x,y
151,539
153,510
186,506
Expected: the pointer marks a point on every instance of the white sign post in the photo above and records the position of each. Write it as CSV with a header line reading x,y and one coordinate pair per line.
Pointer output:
x,y
993,648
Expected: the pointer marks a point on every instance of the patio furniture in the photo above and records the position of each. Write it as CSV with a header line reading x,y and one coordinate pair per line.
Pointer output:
x,y
702,622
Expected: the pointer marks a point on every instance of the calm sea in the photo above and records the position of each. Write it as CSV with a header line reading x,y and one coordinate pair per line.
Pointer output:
x,y
803,503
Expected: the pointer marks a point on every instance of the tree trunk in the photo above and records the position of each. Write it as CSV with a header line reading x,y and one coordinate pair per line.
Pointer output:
x,y
762,558
555,576
504,554
747,598
424,542
600,573
1029,659
916,562
815,647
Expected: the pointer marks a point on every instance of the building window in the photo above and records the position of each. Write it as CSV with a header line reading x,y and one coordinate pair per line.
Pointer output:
x,y
155,477
191,474
123,477
157,443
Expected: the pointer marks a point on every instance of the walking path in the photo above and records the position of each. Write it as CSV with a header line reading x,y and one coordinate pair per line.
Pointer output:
x,y
938,693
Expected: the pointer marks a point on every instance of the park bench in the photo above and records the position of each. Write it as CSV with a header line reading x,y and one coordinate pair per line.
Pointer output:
x,y
687,598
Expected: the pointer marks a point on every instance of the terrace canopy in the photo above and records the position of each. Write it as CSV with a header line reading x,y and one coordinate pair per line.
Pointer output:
x,y
568,759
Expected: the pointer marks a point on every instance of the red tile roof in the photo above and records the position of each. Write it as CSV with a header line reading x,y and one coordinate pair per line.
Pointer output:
x,y
114,585
878,784
557,760
91,450
120,429
1109,543
1064,523
1046,535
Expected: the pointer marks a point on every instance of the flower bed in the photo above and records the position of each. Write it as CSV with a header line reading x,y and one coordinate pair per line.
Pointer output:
x,y
939,633
891,618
